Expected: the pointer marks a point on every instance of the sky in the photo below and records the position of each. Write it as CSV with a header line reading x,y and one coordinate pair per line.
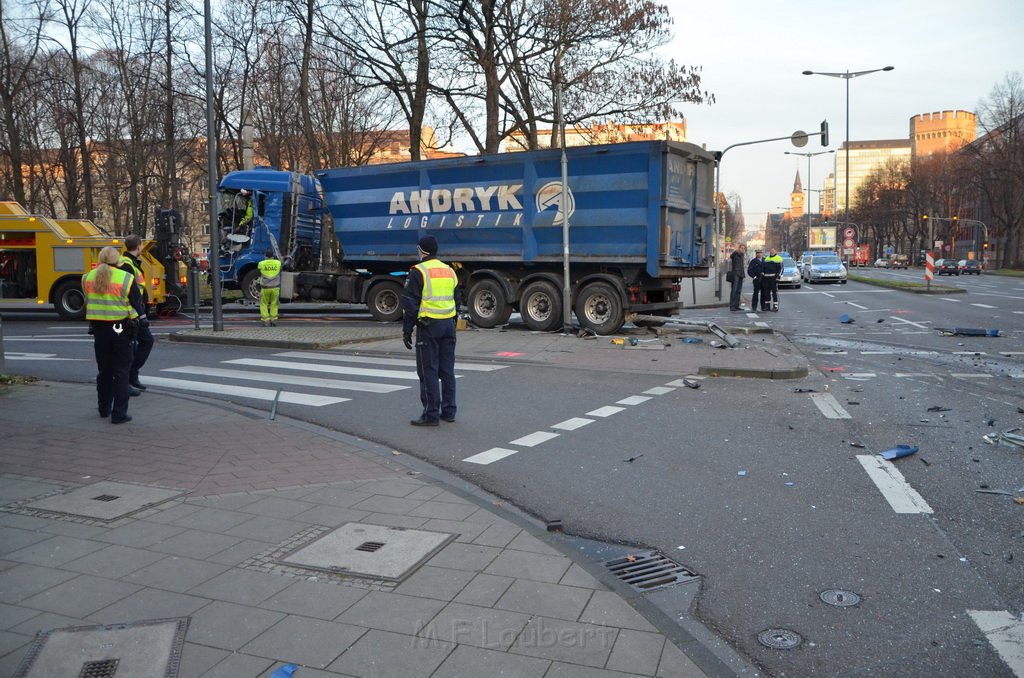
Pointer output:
x,y
947,56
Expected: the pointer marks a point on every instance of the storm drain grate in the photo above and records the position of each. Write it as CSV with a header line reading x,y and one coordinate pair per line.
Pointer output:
x,y
370,546
779,639
105,668
106,497
649,570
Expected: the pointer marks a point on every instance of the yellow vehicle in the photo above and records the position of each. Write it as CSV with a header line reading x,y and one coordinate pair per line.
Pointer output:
x,y
43,259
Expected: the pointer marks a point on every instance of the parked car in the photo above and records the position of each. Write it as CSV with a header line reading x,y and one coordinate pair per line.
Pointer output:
x,y
823,268
947,267
899,261
881,262
790,273
970,266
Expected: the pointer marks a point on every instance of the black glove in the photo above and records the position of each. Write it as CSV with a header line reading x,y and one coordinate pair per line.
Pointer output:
x,y
407,340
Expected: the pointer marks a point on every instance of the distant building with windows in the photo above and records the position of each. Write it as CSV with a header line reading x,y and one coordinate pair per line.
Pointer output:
x,y
865,158
941,132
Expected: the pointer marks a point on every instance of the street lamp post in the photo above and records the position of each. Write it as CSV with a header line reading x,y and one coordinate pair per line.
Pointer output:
x,y
847,76
808,201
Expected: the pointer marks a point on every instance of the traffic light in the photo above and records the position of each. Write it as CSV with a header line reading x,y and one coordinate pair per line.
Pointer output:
x,y
824,132
826,221
984,245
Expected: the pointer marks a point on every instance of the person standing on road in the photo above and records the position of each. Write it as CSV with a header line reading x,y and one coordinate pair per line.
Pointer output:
x,y
754,271
735,276
143,344
111,298
429,305
270,282
770,272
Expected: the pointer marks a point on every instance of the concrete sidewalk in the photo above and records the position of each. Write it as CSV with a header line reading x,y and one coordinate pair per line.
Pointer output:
x,y
199,514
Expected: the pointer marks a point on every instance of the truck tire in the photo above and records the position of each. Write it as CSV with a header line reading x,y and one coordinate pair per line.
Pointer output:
x,y
541,306
385,301
487,305
251,285
599,308
69,300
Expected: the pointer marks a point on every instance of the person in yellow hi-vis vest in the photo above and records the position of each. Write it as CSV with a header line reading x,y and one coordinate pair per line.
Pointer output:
x,y
111,300
270,281
429,305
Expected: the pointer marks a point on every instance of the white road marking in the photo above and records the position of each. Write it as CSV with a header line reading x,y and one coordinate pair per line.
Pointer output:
x,y
829,406
950,299
912,374
969,353
394,362
893,486
605,411
902,320
246,392
331,369
971,376
633,400
49,339
984,306
534,439
490,456
15,355
831,352
863,308
1005,633
859,376
1010,354
877,352
288,379
659,390
572,424
761,323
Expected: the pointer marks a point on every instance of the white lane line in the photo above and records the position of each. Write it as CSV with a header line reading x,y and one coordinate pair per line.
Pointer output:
x,y
606,411
829,406
15,355
877,352
984,306
863,308
246,392
659,390
859,376
902,320
969,353
633,400
923,353
971,376
912,374
1010,354
831,352
274,377
330,369
1005,633
394,362
950,299
41,339
490,456
893,486
534,439
572,424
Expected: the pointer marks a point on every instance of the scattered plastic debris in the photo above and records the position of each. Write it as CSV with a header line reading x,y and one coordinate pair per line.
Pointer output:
x,y
690,383
856,444
692,340
680,548
965,332
789,484
898,452
938,408
284,671
1009,437
412,473
845,319
632,459
987,491
803,390
741,473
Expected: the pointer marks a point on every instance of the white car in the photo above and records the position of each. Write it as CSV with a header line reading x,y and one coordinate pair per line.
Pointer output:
x,y
881,262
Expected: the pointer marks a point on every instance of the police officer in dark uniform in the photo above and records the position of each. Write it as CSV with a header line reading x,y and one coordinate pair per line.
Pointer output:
x,y
771,270
429,305
754,269
143,345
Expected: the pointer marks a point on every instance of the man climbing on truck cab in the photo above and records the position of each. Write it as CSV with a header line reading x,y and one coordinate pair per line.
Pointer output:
x,y
270,281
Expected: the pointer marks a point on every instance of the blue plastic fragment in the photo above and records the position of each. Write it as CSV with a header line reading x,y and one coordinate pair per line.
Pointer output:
x,y
845,319
692,340
284,671
789,484
898,451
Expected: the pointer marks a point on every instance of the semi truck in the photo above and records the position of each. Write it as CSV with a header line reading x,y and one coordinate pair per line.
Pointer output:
x,y
42,259
640,219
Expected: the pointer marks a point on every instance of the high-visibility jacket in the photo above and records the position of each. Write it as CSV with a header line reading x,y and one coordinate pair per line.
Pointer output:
x,y
112,305
438,298
270,273
772,266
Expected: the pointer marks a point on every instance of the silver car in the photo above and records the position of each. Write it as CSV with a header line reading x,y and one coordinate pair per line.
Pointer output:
x,y
790,273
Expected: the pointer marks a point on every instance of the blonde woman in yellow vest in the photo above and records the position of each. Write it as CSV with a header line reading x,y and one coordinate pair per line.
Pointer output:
x,y
429,305
111,297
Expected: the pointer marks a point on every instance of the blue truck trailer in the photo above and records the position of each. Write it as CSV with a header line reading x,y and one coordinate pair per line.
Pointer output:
x,y
640,214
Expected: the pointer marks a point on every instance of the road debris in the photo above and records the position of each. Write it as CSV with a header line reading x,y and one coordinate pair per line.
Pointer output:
x,y
692,340
965,332
632,459
1008,437
939,408
803,390
856,444
845,319
690,383
898,452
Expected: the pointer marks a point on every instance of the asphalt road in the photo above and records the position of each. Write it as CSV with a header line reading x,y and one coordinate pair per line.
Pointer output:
x,y
761,487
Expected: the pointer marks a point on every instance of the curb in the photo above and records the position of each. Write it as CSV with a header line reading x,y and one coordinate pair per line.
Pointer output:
x,y
227,339
749,373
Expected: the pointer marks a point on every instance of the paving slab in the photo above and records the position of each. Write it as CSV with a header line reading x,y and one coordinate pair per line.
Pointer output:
x,y
305,641
393,655
229,626
80,597
391,612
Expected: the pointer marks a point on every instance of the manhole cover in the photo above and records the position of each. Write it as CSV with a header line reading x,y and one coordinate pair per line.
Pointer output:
x,y
376,551
145,649
779,639
649,570
839,598
105,500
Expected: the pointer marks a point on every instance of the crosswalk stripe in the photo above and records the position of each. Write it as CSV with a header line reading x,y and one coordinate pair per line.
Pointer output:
x,y
490,456
246,392
605,411
894,487
633,400
534,439
572,424
330,369
983,306
964,375
314,382
394,362
659,390
829,406
1006,634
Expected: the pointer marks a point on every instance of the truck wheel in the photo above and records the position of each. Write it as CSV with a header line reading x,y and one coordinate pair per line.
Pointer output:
x,y
541,306
251,285
69,300
385,302
599,308
487,305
